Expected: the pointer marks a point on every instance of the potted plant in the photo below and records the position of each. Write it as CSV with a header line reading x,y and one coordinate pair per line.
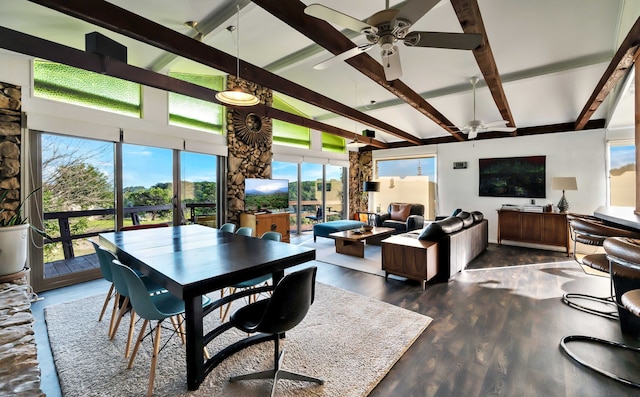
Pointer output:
x,y
14,238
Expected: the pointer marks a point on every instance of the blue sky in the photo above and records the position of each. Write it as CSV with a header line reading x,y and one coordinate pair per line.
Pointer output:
x,y
622,155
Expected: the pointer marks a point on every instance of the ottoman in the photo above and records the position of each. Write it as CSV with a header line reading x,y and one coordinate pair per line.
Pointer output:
x,y
325,229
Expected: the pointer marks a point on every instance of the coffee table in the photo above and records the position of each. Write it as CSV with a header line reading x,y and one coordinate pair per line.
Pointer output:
x,y
351,242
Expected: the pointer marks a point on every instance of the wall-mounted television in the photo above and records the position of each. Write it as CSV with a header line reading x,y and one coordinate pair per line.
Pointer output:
x,y
513,177
265,194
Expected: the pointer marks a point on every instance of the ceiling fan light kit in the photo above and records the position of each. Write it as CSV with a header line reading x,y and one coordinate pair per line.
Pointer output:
x,y
386,27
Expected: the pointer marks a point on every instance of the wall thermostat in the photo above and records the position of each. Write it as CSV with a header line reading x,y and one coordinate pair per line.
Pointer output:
x,y
458,165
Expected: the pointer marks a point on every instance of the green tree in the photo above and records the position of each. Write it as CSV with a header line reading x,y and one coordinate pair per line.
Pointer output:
x,y
155,195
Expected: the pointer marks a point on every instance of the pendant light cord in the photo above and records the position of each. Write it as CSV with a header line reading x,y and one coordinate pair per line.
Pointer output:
x,y
238,44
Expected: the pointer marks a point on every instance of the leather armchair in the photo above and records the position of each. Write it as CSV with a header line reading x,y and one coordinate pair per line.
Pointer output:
x,y
403,217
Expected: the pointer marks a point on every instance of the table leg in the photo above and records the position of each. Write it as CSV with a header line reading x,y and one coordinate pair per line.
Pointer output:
x,y
195,344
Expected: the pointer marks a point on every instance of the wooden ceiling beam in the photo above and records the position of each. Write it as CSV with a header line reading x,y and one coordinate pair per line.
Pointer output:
x,y
40,48
292,13
468,13
622,60
106,15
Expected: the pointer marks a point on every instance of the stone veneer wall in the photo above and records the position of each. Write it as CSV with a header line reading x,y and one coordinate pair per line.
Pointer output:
x,y
360,170
19,370
10,143
246,160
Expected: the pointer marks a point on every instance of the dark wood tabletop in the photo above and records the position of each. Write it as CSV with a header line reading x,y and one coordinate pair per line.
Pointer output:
x,y
193,260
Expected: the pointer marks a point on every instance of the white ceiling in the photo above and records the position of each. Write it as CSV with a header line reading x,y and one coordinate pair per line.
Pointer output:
x,y
549,53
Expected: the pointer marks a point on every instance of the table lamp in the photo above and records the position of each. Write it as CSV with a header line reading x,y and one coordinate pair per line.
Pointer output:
x,y
563,183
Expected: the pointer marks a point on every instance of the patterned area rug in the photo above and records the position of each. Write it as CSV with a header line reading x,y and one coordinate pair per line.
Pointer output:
x,y
346,339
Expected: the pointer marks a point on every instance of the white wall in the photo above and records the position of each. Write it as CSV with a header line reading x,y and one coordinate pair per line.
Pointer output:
x,y
580,154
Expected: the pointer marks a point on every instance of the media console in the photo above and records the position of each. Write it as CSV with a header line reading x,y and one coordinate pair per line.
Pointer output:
x,y
544,228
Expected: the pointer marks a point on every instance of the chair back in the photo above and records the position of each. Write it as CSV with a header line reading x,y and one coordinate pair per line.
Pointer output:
x,y
118,280
228,227
275,236
104,259
245,231
138,293
290,301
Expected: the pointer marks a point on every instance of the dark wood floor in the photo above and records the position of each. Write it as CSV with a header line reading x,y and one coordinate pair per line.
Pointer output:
x,y
495,332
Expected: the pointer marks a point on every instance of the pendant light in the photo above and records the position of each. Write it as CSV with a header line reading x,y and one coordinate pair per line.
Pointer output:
x,y
237,96
355,143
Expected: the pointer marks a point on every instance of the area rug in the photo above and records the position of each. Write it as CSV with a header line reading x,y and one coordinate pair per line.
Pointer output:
x,y
348,340
326,252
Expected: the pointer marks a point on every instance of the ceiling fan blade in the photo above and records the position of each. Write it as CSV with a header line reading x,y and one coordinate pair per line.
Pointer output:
x,y
415,9
502,129
330,15
456,41
391,64
345,55
496,123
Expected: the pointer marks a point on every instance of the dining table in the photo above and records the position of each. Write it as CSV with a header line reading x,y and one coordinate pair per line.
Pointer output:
x,y
194,260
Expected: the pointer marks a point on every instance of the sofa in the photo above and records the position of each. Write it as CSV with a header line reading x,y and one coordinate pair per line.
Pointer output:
x,y
403,217
439,250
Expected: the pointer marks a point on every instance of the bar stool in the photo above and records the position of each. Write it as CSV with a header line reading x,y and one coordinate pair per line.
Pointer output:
x,y
587,230
624,256
631,302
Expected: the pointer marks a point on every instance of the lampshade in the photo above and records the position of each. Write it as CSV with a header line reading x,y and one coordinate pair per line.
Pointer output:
x,y
564,183
237,96
371,186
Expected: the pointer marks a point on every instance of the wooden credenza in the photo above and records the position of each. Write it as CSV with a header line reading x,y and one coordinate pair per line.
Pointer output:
x,y
545,228
260,223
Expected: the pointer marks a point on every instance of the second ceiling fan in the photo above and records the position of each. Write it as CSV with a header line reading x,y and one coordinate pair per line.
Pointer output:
x,y
475,126
389,26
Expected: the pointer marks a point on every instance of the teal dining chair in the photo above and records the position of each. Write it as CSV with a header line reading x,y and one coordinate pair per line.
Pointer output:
x,y
245,231
228,227
255,282
157,308
122,298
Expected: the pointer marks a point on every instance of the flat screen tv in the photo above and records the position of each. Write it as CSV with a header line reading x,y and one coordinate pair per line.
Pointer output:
x,y
513,177
265,194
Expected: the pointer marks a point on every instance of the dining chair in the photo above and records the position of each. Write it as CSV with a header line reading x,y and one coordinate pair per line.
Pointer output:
x,y
157,308
122,298
245,231
286,308
228,227
254,282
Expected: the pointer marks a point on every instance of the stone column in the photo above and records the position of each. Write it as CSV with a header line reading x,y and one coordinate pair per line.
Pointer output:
x,y
360,171
249,140
10,142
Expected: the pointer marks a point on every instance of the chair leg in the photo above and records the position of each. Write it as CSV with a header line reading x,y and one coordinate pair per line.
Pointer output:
x,y
121,312
583,338
154,360
138,342
106,302
114,313
228,306
132,326
177,326
608,301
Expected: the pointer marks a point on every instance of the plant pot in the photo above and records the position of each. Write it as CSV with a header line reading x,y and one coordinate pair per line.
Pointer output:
x,y
13,248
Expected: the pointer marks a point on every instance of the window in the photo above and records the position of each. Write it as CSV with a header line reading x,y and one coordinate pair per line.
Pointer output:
x,y
406,180
199,188
80,87
333,143
622,174
290,134
195,113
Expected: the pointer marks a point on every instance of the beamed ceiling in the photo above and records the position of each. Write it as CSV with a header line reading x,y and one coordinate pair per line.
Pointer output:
x,y
545,66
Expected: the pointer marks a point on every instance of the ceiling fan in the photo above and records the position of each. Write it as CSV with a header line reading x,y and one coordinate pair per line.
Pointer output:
x,y
389,26
475,126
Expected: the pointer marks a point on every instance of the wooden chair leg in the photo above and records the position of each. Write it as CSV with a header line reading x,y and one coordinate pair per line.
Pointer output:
x,y
228,306
154,360
138,342
132,325
177,326
121,312
106,302
114,313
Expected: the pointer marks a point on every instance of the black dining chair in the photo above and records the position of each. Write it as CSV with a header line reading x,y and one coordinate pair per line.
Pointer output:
x,y
286,308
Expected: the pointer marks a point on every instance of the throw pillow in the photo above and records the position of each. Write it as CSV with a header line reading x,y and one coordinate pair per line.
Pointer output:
x,y
400,212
